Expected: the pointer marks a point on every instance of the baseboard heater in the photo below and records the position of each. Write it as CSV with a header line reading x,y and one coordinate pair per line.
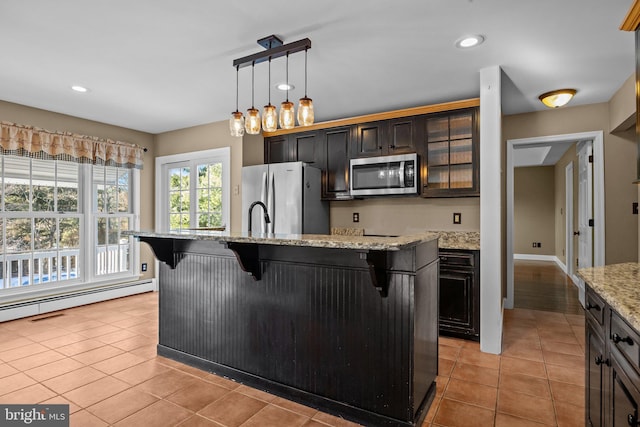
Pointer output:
x,y
47,304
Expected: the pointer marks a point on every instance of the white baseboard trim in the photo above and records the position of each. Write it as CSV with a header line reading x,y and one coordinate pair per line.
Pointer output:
x,y
74,299
533,257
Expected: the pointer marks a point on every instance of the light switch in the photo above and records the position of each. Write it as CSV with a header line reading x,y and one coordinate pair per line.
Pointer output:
x,y
457,218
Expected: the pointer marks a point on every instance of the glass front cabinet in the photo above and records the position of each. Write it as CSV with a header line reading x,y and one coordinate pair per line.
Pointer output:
x,y
450,164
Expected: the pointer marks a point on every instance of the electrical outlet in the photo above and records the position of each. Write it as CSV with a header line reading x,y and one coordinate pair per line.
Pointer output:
x,y
539,245
144,267
635,208
457,218
533,245
356,217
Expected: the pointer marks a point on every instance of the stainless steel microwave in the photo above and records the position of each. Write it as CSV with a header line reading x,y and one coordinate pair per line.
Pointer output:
x,y
384,175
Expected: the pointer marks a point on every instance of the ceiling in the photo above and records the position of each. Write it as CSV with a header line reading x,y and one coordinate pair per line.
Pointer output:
x,y
540,154
160,65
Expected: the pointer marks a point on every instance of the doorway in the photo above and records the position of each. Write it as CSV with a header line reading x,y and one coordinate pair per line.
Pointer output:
x,y
544,145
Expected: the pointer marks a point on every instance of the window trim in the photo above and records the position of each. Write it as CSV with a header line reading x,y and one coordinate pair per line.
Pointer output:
x,y
222,154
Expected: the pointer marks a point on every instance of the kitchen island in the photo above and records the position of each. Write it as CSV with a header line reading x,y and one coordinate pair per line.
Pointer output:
x,y
345,324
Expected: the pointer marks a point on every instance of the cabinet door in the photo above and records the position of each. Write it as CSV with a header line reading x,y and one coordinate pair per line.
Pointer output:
x,y
277,149
450,154
595,376
402,135
335,176
457,302
305,147
370,139
624,396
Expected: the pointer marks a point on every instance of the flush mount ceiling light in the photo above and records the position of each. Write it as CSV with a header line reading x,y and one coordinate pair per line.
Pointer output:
x,y
469,41
80,89
274,49
284,86
557,98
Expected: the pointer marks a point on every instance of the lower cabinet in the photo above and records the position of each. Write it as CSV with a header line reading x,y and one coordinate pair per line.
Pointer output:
x,y
459,296
612,366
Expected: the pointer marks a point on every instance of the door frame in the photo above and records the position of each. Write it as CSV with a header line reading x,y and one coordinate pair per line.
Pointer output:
x,y
598,196
568,217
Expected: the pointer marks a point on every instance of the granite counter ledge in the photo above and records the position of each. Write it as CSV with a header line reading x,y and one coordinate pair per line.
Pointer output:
x,y
619,286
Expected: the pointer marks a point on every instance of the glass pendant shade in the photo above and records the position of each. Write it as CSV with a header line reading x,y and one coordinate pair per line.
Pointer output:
x,y
252,123
269,118
287,115
305,112
236,124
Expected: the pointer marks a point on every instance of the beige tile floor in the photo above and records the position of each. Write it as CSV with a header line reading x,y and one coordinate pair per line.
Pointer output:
x,y
101,360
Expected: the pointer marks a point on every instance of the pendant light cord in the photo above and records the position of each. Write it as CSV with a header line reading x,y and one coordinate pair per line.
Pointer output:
x,y
269,80
305,73
237,72
287,76
253,67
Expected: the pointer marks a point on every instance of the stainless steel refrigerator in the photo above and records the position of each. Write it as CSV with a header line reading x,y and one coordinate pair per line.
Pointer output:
x,y
291,192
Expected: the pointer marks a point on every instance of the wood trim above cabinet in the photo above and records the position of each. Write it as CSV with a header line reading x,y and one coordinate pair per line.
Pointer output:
x,y
414,111
632,20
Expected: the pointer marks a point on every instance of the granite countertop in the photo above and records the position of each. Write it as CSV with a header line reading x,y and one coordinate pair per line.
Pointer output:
x,y
469,240
310,240
617,284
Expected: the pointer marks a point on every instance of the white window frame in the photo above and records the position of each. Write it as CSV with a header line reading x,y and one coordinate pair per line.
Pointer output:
x,y
216,155
88,278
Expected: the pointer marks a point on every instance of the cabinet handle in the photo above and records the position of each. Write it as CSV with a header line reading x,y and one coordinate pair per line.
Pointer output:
x,y
600,361
392,146
590,306
617,338
631,420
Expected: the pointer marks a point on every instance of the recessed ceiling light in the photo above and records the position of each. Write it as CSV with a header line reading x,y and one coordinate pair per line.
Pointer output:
x,y
469,41
284,86
80,89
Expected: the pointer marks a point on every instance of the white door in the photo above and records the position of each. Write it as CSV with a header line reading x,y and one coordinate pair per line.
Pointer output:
x,y
585,209
568,215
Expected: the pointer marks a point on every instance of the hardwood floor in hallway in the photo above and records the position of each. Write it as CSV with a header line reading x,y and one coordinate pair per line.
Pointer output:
x,y
542,285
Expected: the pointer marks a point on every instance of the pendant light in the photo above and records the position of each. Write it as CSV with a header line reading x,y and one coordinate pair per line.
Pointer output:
x,y
287,110
305,105
269,113
252,124
236,122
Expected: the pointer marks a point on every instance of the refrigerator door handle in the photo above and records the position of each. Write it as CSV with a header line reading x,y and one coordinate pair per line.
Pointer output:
x,y
263,199
271,204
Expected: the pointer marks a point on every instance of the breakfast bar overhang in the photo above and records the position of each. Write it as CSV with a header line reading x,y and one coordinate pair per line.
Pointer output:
x,y
344,324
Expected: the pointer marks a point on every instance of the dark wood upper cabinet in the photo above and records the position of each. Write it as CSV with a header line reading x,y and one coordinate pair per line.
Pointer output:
x,y
370,139
277,149
450,155
403,135
293,147
335,171
306,147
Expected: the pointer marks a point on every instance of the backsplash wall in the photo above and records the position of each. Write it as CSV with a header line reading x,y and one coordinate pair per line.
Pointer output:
x,y
406,215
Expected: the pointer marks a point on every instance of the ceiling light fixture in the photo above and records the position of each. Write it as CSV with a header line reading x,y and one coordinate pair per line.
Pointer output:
x,y
287,110
305,105
236,122
557,98
469,41
285,86
252,122
269,113
80,89
274,49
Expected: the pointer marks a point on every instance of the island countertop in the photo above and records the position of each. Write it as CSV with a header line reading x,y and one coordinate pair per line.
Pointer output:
x,y
375,243
617,284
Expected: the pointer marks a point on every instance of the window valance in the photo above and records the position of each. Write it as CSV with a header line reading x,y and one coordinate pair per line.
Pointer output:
x,y
38,143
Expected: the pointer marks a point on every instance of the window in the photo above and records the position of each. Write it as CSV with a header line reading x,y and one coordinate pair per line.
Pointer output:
x,y
44,228
193,190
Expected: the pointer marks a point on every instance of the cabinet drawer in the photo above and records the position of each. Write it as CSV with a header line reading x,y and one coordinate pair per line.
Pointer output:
x,y
626,340
594,307
456,259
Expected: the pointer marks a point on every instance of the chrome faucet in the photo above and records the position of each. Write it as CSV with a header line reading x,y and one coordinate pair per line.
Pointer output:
x,y
266,215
